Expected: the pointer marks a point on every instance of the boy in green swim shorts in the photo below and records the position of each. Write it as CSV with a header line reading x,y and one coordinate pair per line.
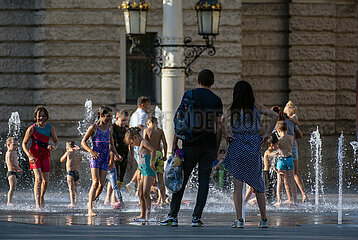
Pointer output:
x,y
155,136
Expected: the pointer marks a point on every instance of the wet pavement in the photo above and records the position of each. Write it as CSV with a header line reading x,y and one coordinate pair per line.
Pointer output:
x,y
56,221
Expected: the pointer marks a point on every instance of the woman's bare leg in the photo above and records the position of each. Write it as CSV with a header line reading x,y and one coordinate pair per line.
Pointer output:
x,y
261,200
298,181
238,198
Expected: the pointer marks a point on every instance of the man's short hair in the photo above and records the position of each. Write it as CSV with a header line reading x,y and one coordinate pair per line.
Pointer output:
x,y
142,100
206,78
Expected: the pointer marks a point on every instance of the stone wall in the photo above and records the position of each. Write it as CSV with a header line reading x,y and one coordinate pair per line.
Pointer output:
x,y
265,49
323,54
304,51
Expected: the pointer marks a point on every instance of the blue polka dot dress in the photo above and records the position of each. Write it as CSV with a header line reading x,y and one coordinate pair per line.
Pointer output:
x,y
243,159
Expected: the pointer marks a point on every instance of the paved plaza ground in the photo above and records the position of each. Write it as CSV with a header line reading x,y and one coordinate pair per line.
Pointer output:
x,y
57,222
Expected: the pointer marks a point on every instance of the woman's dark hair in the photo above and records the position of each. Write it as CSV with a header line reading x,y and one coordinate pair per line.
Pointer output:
x,y
41,109
103,110
206,78
243,101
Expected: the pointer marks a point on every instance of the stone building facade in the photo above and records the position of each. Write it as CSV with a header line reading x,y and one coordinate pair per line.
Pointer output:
x,y
60,53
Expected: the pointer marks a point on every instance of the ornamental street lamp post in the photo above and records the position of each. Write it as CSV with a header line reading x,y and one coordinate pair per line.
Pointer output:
x,y
174,54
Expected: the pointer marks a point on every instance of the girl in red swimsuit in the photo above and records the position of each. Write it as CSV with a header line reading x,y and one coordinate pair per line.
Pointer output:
x,y
39,152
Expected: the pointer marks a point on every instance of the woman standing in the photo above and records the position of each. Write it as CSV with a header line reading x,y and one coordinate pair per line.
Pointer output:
x,y
39,152
241,123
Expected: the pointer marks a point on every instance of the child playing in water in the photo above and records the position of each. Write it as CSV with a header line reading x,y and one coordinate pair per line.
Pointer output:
x,y
72,157
291,111
39,152
102,140
12,167
120,128
268,160
284,165
145,157
155,137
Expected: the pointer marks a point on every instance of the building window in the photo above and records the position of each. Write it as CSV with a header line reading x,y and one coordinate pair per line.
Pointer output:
x,y
140,79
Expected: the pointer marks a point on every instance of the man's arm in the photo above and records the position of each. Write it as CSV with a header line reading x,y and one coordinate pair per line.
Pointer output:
x,y
218,133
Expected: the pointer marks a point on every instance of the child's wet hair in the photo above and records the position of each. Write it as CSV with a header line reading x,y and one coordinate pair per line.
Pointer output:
x,y
272,139
71,143
104,110
131,132
281,125
10,139
152,119
38,109
122,113
290,107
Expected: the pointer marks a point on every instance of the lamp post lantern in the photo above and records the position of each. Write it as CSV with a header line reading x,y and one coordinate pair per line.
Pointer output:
x,y
135,16
208,14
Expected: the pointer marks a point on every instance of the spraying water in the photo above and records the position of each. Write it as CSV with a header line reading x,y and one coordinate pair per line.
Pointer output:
x,y
340,155
160,116
316,153
14,125
354,145
88,120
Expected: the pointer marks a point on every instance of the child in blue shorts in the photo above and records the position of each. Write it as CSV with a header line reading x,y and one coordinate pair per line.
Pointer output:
x,y
284,165
145,155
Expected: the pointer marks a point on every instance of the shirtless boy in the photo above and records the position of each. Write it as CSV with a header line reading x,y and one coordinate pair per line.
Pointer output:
x,y
155,137
12,167
284,165
268,160
72,157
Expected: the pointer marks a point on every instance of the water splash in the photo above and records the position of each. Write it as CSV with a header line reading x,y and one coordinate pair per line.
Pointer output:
x,y
160,116
340,154
354,145
14,125
316,153
88,120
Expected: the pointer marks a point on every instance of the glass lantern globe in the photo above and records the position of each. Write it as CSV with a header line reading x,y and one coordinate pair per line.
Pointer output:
x,y
135,16
208,14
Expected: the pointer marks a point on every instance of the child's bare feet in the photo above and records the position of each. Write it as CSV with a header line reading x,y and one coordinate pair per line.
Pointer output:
x,y
106,202
139,219
42,202
10,204
37,208
278,204
91,213
304,198
71,205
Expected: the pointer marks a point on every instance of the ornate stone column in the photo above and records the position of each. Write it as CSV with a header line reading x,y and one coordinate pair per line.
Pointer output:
x,y
173,71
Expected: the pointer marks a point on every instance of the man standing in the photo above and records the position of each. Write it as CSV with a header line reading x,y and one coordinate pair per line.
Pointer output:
x,y
138,119
203,150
